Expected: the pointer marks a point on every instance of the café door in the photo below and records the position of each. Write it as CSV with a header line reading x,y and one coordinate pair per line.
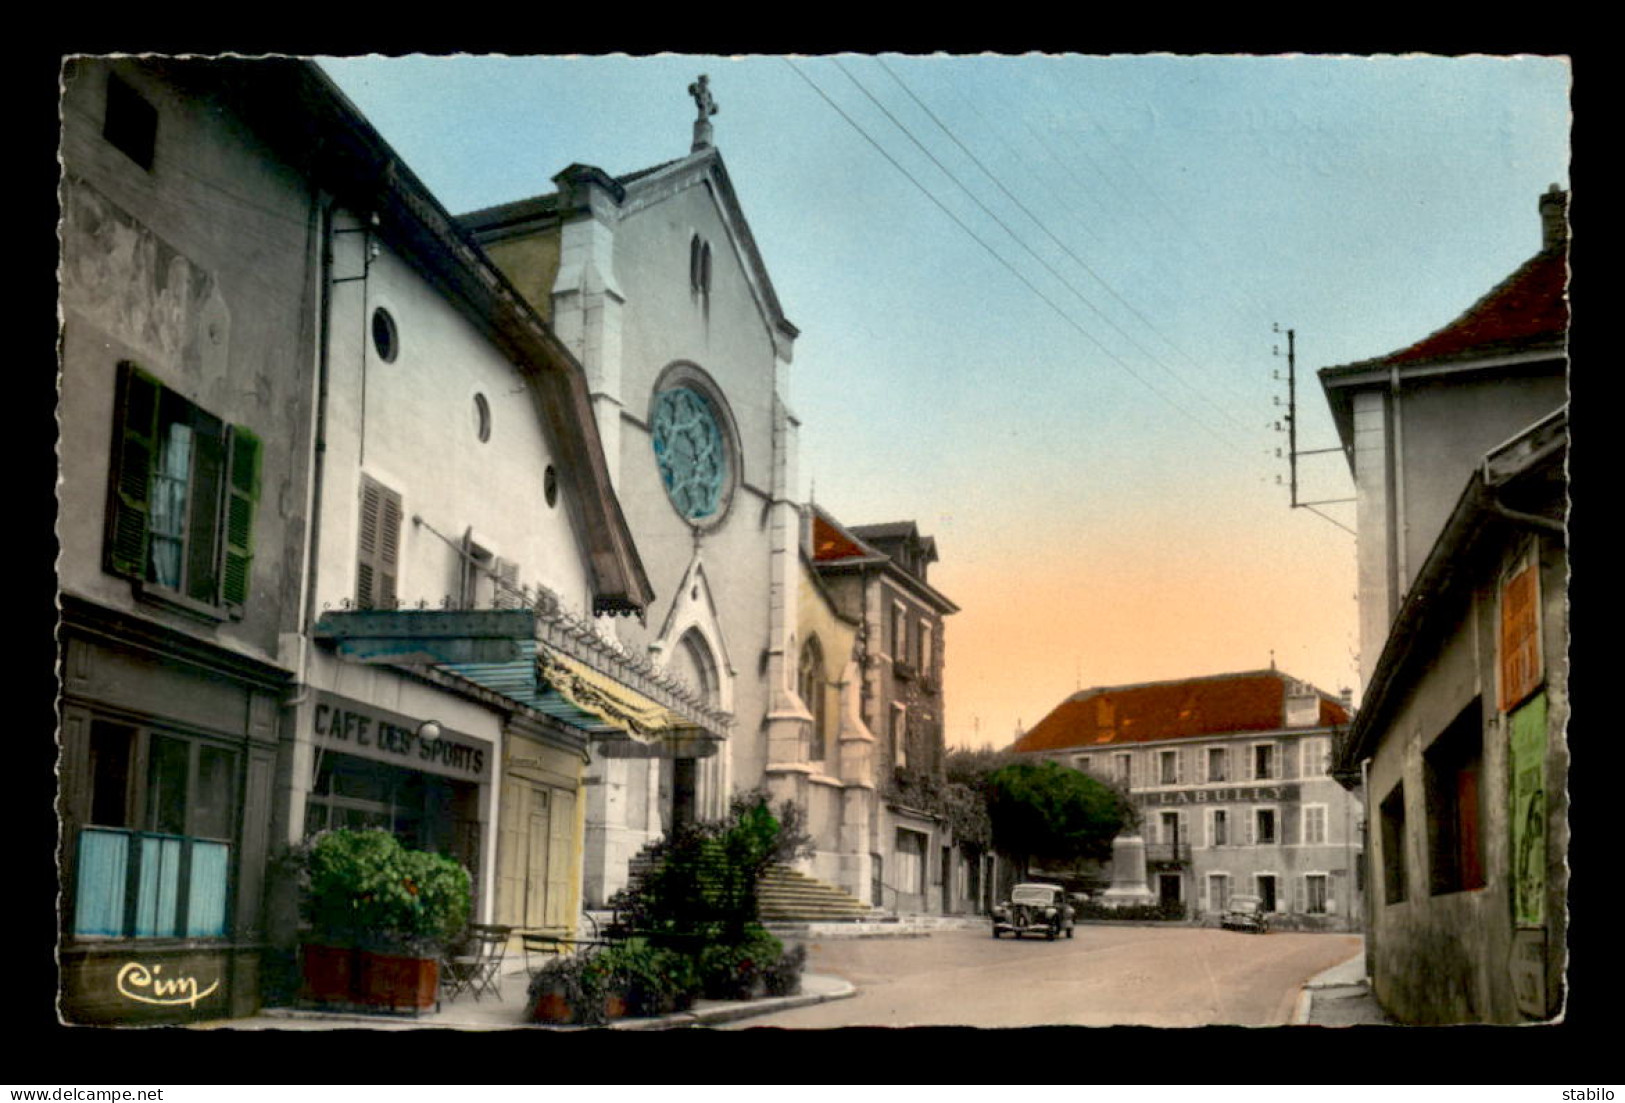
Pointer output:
x,y
537,828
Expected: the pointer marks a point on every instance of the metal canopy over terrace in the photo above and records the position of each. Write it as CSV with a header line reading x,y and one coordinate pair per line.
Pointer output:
x,y
550,663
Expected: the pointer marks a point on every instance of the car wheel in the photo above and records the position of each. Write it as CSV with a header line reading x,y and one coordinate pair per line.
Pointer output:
x,y
1069,931
997,932
1050,934
1017,935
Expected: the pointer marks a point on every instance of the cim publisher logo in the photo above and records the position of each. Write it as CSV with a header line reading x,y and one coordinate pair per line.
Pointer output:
x,y
143,984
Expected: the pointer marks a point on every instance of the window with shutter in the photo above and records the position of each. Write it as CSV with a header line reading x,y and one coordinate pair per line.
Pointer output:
x,y
378,552
1265,833
1314,823
1316,898
181,500
507,585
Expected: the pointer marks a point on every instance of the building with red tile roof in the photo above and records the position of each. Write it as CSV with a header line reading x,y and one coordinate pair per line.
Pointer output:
x,y
1415,422
1459,449
1230,774
878,576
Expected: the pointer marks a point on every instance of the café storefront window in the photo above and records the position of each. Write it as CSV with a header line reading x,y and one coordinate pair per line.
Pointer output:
x,y
374,770
424,811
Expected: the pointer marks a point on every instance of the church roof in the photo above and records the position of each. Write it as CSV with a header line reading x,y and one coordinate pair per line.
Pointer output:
x,y
631,191
1222,704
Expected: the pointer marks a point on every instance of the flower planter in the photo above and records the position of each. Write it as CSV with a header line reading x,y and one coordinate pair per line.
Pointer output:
x,y
552,1007
556,1006
397,982
327,974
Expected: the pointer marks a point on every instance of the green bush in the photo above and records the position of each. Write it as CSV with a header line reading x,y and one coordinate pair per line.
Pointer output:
x,y
739,970
364,889
702,886
1134,912
784,975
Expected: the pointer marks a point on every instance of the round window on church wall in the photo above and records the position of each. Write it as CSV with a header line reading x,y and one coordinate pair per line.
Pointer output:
x,y
384,337
693,451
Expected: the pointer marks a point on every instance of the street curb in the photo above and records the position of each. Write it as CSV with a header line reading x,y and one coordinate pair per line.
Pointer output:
x,y
726,1013
734,1012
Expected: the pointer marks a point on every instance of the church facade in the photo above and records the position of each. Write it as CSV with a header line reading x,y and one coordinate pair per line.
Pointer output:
x,y
654,282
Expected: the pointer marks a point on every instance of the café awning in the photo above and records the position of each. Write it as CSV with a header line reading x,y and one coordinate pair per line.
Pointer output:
x,y
631,716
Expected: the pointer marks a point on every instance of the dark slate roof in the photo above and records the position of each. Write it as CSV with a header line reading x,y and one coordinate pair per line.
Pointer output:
x,y
538,206
1222,704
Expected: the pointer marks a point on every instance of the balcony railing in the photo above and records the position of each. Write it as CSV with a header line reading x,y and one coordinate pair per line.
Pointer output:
x,y
1167,854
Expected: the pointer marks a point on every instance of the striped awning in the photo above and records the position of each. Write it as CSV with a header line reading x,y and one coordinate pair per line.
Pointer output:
x,y
622,722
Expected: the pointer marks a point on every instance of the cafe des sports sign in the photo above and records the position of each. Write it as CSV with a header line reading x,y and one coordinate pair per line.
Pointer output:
x,y
1224,794
355,727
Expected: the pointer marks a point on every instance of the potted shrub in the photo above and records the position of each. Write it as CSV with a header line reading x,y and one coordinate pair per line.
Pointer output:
x,y
576,990
654,980
390,910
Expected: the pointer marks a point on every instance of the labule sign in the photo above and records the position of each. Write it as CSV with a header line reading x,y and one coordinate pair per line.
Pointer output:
x,y
1229,794
354,727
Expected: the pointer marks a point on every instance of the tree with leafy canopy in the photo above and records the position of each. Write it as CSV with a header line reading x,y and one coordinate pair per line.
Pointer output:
x,y
1046,810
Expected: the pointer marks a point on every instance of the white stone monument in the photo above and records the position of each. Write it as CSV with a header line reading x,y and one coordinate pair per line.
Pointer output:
x,y
1128,885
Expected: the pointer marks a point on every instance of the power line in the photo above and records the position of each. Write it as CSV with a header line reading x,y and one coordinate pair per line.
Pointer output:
x,y
1068,251
990,250
1083,187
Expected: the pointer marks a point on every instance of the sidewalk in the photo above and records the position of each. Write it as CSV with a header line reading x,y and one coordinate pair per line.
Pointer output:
x,y
508,1013
1340,996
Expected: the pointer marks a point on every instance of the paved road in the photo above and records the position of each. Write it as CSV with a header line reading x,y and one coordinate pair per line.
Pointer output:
x,y
1106,975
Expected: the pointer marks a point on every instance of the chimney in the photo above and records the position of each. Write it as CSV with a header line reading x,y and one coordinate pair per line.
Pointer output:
x,y
1554,218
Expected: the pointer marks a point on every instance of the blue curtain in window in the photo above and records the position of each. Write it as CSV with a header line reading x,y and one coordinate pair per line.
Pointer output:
x,y
104,859
158,897
206,900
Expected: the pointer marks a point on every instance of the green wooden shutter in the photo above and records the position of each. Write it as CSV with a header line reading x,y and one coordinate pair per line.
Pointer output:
x,y
242,496
135,444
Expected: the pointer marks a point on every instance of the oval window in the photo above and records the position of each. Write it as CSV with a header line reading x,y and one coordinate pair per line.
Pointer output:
x,y
384,337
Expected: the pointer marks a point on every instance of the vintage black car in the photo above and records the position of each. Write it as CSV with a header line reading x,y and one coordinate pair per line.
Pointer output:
x,y
1245,913
1034,909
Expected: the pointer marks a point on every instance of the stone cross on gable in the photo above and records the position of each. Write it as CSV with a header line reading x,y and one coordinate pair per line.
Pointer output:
x,y
701,91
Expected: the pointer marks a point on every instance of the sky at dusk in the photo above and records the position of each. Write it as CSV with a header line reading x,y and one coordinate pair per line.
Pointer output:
x,y
1038,300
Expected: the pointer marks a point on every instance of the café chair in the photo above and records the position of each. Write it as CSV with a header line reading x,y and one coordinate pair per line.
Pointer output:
x,y
476,965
